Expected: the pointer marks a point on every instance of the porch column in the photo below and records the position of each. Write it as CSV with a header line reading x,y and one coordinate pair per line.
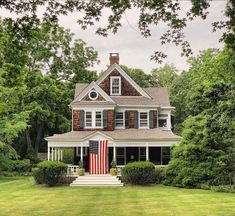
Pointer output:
x,y
147,152
61,154
81,152
56,152
52,153
114,154
48,152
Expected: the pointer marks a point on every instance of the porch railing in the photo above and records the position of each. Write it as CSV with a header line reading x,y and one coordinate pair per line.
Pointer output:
x,y
72,169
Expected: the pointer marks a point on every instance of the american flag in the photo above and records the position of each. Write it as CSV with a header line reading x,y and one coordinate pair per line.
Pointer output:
x,y
98,157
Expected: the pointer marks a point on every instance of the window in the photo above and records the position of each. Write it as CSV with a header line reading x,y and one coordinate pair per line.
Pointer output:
x,y
93,95
98,119
88,119
165,155
162,120
119,119
143,119
115,85
120,155
94,119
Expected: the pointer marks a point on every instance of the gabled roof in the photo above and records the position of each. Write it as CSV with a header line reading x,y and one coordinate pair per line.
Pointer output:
x,y
86,89
125,75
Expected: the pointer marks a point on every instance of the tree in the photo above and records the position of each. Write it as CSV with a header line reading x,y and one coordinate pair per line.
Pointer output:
x,y
13,119
50,62
151,13
138,75
206,152
163,76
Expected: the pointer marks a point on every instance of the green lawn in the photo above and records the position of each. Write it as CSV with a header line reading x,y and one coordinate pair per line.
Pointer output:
x,y
20,196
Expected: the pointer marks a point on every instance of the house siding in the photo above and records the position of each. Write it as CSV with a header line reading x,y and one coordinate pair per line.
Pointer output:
x,y
76,120
126,88
87,98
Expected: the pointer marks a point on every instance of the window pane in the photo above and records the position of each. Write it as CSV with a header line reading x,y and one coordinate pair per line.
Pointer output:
x,y
143,119
119,119
162,123
115,85
98,119
88,119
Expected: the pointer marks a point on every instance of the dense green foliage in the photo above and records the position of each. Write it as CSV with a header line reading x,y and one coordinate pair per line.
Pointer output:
x,y
159,175
150,13
139,173
38,71
205,98
50,173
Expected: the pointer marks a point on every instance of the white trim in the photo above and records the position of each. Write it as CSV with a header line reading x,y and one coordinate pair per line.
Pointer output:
x,y
123,126
144,111
125,75
111,86
90,87
97,95
93,119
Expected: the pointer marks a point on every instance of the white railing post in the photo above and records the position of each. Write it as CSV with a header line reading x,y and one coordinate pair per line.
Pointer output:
x,y
61,154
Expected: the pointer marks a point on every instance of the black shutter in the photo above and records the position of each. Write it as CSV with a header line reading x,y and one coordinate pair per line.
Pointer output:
x,y
82,119
136,120
105,119
151,123
127,125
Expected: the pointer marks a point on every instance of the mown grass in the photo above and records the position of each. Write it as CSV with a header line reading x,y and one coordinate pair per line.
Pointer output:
x,y
20,196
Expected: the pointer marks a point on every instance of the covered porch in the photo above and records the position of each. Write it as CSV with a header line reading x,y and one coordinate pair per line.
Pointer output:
x,y
119,151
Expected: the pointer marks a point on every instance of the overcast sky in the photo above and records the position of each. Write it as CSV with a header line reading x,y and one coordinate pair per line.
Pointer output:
x,y
135,51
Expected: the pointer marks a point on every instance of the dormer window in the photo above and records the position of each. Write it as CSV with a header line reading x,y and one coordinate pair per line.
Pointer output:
x,y
115,85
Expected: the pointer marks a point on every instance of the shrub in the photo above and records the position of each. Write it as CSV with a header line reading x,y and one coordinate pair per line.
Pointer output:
x,y
141,173
113,171
21,166
224,188
159,175
50,172
81,171
38,175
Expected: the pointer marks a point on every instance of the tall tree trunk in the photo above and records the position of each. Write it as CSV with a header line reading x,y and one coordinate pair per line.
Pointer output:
x,y
28,140
38,138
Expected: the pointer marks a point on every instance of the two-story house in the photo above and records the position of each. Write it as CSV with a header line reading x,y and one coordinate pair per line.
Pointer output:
x,y
136,121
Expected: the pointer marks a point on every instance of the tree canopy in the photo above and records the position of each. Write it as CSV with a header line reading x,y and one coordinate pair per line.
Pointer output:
x,y
150,13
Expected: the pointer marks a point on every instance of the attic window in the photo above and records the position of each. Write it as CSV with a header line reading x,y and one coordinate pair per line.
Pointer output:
x,y
115,85
93,95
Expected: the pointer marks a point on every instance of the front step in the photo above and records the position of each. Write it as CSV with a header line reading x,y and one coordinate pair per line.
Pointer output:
x,y
97,180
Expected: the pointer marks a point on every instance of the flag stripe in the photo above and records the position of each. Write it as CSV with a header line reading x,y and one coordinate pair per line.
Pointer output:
x,y
98,157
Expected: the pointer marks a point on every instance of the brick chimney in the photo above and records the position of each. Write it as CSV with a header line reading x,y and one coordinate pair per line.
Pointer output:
x,y
113,58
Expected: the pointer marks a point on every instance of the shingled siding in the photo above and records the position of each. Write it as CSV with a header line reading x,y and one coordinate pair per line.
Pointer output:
x,y
131,119
126,88
110,120
87,98
76,120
